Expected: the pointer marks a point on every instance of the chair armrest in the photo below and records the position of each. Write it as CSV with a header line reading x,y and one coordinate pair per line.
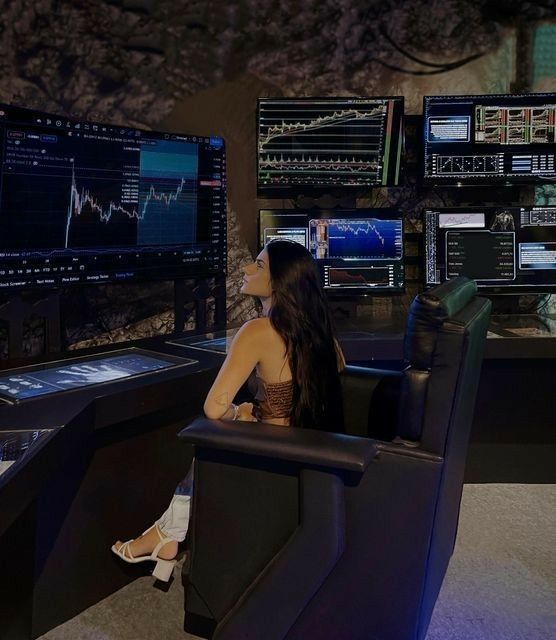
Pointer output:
x,y
305,446
408,450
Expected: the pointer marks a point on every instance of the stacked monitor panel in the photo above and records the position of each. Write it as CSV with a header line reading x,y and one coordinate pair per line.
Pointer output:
x,y
498,139
505,249
324,144
358,251
85,202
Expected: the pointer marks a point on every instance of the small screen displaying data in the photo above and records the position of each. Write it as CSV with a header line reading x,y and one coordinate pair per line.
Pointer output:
x,y
357,250
23,384
505,249
498,139
85,202
328,142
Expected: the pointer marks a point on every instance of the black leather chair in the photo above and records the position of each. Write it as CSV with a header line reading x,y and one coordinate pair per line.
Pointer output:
x,y
299,534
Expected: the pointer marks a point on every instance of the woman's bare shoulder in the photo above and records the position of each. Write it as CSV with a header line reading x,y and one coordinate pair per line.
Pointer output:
x,y
261,335
258,328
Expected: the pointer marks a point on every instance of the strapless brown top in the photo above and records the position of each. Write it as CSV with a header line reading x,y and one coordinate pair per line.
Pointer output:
x,y
272,399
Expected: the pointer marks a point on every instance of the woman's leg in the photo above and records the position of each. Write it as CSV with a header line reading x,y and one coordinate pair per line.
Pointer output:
x,y
172,524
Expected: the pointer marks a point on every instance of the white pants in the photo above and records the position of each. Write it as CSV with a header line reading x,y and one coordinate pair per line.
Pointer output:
x,y
173,523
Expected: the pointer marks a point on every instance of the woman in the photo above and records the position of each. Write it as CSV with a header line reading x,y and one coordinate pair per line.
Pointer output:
x,y
291,359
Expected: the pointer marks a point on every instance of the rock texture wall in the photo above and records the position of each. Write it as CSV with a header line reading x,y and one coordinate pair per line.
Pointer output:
x,y
198,66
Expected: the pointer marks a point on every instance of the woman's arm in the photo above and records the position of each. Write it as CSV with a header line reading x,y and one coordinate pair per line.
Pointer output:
x,y
242,358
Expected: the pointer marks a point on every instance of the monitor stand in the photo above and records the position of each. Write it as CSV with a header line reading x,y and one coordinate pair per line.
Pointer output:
x,y
515,304
326,201
20,308
192,299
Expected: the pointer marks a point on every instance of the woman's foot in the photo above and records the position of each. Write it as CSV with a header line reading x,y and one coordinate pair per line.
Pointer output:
x,y
145,544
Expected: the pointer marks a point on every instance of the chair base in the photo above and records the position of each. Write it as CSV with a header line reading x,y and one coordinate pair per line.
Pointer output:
x,y
199,625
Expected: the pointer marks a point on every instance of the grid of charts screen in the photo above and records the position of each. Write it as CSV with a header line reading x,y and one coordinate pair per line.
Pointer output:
x,y
508,139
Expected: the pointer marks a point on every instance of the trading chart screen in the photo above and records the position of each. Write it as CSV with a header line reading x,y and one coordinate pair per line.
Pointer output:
x,y
499,139
328,143
84,202
358,251
505,249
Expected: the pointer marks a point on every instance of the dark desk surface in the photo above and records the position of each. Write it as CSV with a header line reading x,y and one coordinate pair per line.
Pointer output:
x,y
509,337
379,340
68,418
116,400
367,341
370,340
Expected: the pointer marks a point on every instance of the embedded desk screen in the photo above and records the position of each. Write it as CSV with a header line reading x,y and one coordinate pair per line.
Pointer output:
x,y
55,377
216,342
219,345
14,445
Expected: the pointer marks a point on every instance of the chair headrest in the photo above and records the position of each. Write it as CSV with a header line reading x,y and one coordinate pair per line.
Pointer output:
x,y
428,311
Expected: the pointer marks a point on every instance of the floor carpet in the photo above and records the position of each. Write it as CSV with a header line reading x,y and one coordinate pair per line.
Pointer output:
x,y
500,585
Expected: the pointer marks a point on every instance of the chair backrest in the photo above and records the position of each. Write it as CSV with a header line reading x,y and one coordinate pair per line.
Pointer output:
x,y
446,328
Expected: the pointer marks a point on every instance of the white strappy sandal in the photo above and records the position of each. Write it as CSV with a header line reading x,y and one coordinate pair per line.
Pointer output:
x,y
163,569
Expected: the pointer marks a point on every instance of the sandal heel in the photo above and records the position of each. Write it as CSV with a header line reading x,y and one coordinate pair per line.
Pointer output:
x,y
163,569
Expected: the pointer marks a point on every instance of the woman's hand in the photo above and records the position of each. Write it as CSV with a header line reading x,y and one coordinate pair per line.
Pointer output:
x,y
245,412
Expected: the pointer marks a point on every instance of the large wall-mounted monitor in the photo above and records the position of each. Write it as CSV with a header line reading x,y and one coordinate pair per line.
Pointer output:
x,y
325,144
498,139
85,202
505,249
358,251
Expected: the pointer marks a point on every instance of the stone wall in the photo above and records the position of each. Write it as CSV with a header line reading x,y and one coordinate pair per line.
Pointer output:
x,y
198,66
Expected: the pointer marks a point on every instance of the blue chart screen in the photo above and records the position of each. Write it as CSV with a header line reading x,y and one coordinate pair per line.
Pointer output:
x,y
366,239
73,375
167,193
360,251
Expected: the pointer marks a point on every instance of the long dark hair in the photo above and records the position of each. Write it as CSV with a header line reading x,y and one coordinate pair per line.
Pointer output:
x,y
300,314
